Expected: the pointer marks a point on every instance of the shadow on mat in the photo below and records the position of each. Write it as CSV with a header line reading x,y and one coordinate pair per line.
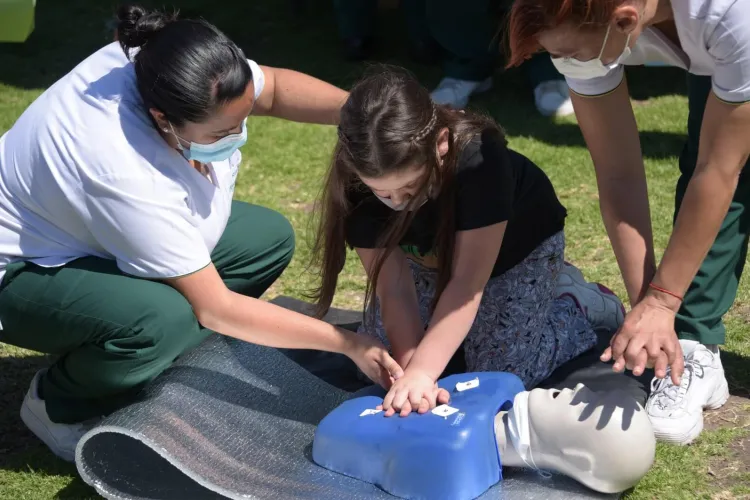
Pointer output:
x,y
231,390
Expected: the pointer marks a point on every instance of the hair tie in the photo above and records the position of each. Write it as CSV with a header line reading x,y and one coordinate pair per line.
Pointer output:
x,y
427,128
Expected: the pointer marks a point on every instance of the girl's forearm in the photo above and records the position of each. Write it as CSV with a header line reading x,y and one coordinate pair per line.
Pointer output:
x,y
455,313
402,323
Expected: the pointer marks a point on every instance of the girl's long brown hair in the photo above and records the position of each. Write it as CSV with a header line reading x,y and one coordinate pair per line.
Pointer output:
x,y
389,123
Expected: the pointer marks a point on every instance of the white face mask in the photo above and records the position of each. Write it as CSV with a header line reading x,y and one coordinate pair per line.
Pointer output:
x,y
594,68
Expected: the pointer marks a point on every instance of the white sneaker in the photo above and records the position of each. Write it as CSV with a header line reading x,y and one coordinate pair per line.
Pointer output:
x,y
600,305
62,439
552,98
455,93
676,411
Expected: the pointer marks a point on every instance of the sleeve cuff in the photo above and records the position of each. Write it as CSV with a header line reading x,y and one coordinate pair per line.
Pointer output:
x,y
597,87
734,98
259,79
162,273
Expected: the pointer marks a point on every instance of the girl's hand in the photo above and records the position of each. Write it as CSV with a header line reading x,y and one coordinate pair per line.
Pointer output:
x,y
415,391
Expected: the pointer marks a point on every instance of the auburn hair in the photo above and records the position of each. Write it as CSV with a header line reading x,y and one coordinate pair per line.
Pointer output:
x,y
528,18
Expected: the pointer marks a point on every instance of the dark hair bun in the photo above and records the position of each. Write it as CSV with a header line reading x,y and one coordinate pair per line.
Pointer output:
x,y
135,25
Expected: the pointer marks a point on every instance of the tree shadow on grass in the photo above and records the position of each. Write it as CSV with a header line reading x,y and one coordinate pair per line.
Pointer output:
x,y
737,369
20,450
270,32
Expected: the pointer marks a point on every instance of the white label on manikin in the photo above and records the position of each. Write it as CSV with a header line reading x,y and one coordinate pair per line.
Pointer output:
x,y
369,412
444,411
465,386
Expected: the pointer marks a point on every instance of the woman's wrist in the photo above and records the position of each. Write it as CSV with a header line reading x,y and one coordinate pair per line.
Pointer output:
x,y
661,296
348,342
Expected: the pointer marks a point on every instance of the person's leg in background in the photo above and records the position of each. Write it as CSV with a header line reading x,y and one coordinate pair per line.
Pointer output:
x,y
422,46
114,333
551,94
467,35
356,23
677,412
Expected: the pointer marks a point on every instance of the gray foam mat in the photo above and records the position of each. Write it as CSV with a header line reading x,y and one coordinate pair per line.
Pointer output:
x,y
236,420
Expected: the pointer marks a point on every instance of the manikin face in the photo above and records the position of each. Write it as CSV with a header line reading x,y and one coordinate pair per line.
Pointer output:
x,y
591,436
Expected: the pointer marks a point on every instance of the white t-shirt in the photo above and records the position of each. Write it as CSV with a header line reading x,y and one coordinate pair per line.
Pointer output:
x,y
715,40
84,172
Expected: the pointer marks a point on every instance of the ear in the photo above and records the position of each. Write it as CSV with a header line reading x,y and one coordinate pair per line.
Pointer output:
x,y
160,119
443,144
626,18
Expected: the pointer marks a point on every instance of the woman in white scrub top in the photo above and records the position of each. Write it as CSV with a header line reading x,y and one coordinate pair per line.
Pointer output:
x,y
120,245
695,284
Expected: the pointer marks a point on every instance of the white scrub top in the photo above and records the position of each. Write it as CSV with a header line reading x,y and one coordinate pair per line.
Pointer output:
x,y
715,41
84,172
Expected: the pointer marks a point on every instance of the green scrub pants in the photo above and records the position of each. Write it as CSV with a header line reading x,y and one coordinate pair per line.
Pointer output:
x,y
113,333
714,288
468,34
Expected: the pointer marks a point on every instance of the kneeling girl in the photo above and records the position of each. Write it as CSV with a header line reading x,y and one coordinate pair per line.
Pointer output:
x,y
462,241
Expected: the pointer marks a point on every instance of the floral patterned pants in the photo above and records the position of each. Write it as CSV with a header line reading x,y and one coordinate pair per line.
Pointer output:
x,y
522,326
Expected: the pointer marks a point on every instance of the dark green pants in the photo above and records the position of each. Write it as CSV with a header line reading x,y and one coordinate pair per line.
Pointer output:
x,y
356,18
114,333
469,34
714,288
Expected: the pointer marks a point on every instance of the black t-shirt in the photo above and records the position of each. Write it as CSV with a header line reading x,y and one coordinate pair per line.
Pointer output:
x,y
493,184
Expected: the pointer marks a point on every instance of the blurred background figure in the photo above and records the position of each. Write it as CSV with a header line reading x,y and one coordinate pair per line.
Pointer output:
x,y
357,19
466,38
472,44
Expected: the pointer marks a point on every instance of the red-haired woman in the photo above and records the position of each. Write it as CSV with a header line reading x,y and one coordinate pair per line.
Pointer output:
x,y
696,281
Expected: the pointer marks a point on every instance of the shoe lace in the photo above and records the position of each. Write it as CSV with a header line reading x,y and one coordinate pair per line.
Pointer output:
x,y
666,394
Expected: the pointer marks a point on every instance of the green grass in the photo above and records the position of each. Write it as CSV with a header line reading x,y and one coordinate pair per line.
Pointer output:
x,y
283,167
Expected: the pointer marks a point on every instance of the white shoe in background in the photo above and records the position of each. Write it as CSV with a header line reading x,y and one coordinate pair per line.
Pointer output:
x,y
61,439
455,93
676,411
552,98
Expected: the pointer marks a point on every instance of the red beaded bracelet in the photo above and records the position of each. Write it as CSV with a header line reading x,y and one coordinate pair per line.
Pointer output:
x,y
664,290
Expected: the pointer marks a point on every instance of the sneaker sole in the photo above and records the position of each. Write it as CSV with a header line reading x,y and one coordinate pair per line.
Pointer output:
x,y
32,422
683,438
722,398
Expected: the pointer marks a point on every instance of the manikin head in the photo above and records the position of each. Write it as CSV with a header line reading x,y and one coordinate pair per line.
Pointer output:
x,y
604,440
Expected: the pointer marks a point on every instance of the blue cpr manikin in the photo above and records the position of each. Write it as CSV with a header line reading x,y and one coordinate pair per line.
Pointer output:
x,y
447,454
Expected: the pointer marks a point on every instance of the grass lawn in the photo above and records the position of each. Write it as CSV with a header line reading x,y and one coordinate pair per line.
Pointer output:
x,y
283,166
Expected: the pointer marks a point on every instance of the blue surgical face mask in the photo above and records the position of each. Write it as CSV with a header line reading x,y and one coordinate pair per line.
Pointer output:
x,y
218,151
